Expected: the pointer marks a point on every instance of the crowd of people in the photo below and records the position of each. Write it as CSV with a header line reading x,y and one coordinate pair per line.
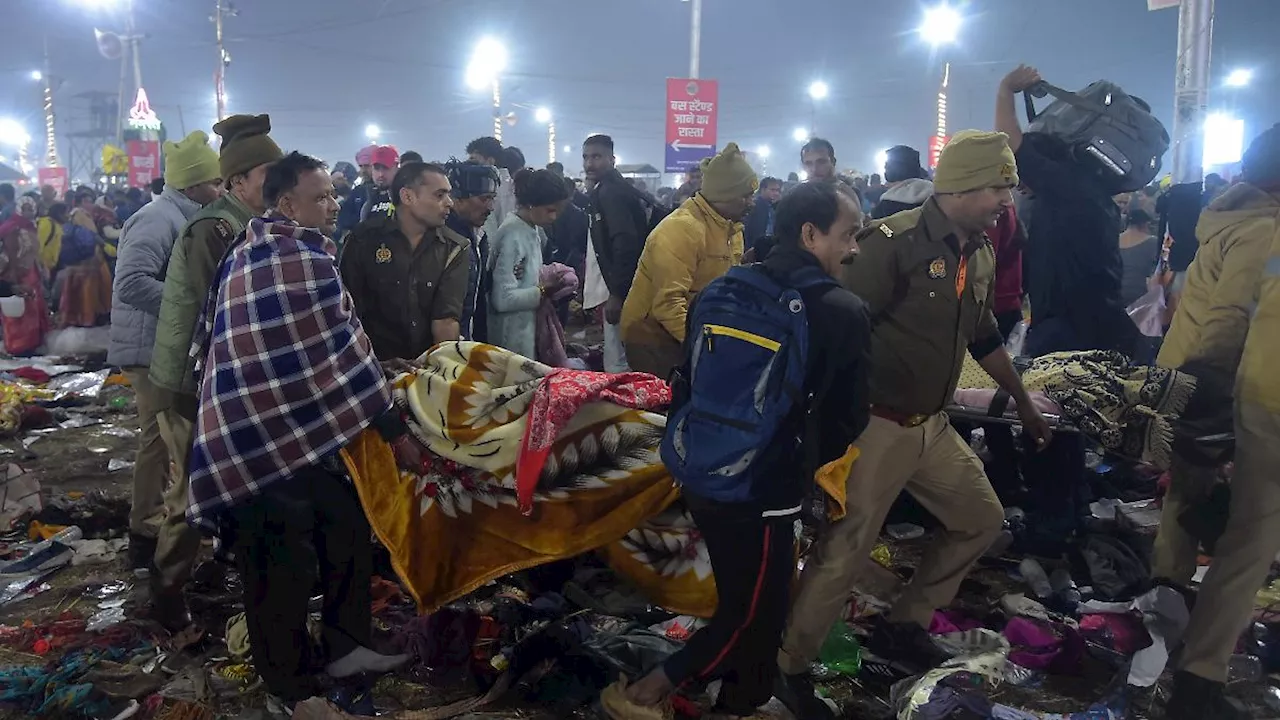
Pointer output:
x,y
59,259
260,302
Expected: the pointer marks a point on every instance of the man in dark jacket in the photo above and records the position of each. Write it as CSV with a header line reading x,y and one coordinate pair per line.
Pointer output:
x,y
386,160
761,220
353,205
567,242
619,228
752,544
1072,254
475,191
909,184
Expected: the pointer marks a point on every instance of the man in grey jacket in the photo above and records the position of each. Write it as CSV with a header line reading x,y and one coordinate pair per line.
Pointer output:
x,y
192,180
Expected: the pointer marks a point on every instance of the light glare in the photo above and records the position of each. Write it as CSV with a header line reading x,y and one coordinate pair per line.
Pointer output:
x,y
941,25
1223,139
487,62
12,133
1240,77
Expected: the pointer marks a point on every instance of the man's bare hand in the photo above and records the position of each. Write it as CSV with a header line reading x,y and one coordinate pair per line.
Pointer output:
x,y
1035,424
613,310
1021,79
396,366
408,454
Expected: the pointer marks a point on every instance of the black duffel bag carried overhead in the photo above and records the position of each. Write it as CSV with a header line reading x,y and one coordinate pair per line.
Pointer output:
x,y
1103,124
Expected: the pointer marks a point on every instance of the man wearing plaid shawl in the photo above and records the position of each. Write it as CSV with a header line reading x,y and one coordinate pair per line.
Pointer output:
x,y
288,378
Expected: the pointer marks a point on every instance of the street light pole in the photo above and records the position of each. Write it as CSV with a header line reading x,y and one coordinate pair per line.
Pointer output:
x,y
1191,90
129,41
695,40
222,9
131,28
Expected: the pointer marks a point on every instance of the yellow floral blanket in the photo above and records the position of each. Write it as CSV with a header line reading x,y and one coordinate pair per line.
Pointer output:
x,y
457,526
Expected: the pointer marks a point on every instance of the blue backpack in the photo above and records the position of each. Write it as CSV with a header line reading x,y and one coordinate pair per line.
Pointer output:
x,y
747,353
78,244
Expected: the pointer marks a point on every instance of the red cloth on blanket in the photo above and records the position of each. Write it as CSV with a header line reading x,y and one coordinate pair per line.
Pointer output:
x,y
558,397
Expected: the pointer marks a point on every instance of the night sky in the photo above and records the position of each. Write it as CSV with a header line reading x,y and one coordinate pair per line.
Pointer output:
x,y
324,69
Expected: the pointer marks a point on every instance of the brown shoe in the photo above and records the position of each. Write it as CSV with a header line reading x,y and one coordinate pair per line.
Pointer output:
x,y
619,707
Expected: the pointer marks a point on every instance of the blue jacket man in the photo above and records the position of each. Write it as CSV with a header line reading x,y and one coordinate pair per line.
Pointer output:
x,y
759,222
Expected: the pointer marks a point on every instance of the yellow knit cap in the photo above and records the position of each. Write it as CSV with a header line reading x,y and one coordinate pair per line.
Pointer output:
x,y
190,161
975,160
728,176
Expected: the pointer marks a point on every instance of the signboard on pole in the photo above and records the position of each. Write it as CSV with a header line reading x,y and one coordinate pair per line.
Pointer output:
x,y
692,112
144,162
1162,4
57,178
936,144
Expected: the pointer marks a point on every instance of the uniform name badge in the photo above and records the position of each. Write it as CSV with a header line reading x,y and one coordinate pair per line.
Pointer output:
x,y
382,255
938,268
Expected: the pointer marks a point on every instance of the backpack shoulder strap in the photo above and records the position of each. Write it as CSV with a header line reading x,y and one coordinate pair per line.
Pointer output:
x,y
756,276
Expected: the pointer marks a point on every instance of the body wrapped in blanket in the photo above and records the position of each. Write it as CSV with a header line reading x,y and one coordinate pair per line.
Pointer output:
x,y
528,465
1130,410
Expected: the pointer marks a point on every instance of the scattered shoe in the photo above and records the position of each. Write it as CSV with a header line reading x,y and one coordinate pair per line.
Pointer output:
x,y
619,707
796,692
353,701
1196,698
169,608
142,554
363,660
210,574
55,555
907,644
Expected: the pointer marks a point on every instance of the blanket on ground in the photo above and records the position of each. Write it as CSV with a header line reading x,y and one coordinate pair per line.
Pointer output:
x,y
458,525
1128,409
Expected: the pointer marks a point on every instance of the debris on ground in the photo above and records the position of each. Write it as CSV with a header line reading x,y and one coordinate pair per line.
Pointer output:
x,y
1077,635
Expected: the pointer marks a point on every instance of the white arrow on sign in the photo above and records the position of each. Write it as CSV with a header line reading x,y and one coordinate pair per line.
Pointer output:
x,y
678,146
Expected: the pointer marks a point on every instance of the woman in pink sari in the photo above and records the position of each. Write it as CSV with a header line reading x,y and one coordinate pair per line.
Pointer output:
x,y
20,269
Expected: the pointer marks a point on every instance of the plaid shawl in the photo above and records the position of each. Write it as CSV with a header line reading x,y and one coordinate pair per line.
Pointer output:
x,y
288,376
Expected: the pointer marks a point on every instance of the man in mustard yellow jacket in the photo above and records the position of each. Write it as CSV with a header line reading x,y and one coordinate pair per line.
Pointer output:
x,y
1244,554
694,245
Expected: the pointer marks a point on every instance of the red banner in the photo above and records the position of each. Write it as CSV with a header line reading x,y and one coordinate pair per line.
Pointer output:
x,y
56,177
144,162
693,109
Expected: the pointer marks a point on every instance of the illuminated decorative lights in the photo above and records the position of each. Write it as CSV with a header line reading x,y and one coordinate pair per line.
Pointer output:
x,y
141,116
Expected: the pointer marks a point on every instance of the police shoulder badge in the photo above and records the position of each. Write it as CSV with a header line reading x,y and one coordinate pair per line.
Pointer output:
x,y
382,254
938,268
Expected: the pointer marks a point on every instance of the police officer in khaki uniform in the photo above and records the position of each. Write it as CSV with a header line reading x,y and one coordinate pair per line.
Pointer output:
x,y
246,152
927,276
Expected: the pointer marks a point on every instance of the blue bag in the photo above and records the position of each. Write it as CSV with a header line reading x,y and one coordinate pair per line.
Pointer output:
x,y
78,244
747,356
